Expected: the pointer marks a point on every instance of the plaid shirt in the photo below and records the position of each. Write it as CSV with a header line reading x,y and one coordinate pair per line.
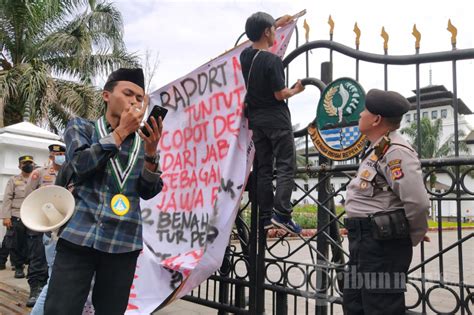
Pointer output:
x,y
93,223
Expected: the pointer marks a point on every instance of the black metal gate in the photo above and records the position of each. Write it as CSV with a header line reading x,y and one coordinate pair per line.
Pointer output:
x,y
285,275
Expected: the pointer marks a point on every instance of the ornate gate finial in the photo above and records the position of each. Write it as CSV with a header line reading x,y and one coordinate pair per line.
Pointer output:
x,y
357,32
306,28
385,39
454,32
331,24
417,35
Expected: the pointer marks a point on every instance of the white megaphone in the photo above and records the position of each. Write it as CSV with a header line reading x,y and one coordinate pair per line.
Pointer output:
x,y
47,208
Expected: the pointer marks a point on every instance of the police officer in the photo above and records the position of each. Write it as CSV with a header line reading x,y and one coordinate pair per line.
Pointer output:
x,y
47,175
16,236
42,243
387,207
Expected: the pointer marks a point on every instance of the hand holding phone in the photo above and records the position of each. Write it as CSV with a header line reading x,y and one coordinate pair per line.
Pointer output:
x,y
156,112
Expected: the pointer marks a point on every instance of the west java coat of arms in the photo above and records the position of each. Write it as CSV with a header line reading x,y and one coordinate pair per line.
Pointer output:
x,y
334,131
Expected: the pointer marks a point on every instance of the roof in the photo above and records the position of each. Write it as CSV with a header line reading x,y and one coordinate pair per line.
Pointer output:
x,y
470,138
28,129
435,96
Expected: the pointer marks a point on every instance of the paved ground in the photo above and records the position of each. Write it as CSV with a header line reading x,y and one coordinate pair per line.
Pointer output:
x,y
441,299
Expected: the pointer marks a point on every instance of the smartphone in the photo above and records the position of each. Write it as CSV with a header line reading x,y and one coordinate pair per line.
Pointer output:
x,y
156,112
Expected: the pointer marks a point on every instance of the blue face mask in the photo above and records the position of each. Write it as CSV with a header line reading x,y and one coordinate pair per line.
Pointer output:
x,y
59,159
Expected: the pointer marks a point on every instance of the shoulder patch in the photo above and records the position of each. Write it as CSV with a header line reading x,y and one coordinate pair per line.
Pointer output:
x,y
397,172
394,162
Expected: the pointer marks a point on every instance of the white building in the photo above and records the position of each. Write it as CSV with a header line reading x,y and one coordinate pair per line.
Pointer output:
x,y
22,139
436,102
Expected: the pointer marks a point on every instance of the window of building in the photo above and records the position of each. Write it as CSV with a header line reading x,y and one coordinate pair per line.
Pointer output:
x,y
415,116
408,117
444,113
434,114
424,115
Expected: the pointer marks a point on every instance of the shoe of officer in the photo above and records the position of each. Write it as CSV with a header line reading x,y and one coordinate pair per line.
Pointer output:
x,y
19,273
34,294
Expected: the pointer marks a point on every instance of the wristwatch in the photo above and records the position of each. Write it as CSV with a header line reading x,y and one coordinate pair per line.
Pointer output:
x,y
154,159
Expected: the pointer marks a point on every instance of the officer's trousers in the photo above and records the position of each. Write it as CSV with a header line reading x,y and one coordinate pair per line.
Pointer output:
x,y
375,280
4,252
17,241
28,248
275,146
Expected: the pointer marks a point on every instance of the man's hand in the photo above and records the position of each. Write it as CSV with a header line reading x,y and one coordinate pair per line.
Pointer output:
x,y
131,119
426,238
154,131
284,20
299,87
7,222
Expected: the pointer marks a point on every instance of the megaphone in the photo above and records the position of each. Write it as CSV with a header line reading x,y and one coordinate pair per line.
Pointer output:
x,y
47,208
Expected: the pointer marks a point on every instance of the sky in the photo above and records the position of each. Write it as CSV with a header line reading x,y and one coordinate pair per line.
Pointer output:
x,y
184,34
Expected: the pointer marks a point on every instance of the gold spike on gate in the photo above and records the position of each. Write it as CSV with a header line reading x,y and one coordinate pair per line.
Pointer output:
x,y
417,35
385,37
306,28
357,32
331,24
454,32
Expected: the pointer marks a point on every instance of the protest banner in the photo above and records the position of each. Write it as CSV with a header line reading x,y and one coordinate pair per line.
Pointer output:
x,y
206,154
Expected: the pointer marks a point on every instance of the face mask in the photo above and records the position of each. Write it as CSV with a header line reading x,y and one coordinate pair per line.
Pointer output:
x,y
27,168
59,159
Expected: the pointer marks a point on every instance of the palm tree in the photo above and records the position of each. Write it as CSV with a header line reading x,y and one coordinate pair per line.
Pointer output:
x,y
431,146
50,51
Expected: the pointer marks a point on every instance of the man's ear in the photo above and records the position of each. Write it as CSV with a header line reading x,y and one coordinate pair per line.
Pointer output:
x,y
106,95
267,31
377,121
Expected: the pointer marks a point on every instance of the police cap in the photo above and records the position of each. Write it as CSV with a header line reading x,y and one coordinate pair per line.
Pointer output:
x,y
25,158
56,148
386,103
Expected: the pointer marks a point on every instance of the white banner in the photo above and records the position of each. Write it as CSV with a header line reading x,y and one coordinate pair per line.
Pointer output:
x,y
206,154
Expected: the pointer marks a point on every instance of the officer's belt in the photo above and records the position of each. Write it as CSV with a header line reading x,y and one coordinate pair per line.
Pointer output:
x,y
357,223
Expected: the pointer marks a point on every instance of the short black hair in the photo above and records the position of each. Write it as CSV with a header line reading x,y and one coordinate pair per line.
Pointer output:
x,y
256,24
109,86
394,121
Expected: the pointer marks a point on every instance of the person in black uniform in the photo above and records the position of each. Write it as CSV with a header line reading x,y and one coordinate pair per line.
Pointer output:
x,y
387,210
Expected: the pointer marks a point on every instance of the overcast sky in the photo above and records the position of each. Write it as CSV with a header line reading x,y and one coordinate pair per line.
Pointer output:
x,y
188,33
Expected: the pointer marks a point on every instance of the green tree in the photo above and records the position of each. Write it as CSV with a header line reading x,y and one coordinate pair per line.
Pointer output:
x,y
50,50
431,146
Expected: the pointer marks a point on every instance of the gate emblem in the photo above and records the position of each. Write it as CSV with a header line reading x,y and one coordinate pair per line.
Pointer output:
x,y
335,131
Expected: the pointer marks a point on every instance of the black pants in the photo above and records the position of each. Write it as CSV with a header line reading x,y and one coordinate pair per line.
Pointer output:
x,y
374,282
4,252
275,145
27,247
73,269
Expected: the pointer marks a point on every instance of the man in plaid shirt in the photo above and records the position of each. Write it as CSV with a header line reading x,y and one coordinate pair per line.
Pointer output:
x,y
115,165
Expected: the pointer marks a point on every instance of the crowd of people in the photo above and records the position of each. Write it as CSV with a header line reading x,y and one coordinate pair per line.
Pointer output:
x,y
386,203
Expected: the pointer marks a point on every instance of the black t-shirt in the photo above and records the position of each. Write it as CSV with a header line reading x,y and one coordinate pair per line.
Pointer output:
x,y
267,77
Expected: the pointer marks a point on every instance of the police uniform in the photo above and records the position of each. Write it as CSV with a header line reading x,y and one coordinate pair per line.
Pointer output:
x,y
16,237
42,246
44,176
387,208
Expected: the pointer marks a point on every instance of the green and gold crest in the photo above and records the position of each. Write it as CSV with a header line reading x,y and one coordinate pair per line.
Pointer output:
x,y
334,131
